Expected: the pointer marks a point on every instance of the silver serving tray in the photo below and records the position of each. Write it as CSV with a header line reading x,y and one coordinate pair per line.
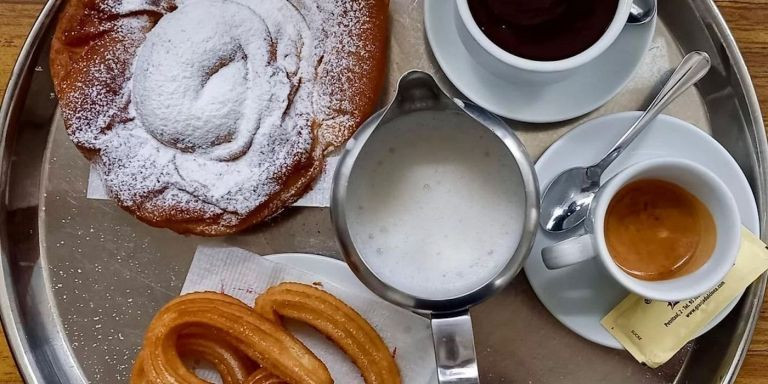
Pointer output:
x,y
82,278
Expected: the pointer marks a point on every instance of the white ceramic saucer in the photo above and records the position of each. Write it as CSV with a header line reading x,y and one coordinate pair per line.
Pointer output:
x,y
581,295
594,84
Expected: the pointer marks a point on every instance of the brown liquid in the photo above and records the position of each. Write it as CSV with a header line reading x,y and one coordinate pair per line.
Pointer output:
x,y
656,230
544,30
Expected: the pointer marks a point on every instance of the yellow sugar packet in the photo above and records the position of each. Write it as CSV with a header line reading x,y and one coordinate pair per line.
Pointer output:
x,y
653,331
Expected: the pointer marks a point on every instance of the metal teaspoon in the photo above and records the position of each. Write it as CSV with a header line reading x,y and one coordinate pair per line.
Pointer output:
x,y
641,11
566,200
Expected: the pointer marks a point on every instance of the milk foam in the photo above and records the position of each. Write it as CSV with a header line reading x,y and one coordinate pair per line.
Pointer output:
x,y
435,204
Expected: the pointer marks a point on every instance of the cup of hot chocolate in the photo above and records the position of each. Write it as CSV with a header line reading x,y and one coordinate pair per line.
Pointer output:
x,y
542,41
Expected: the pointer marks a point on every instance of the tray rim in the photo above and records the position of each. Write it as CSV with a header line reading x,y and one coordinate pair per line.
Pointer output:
x,y
9,305
740,66
9,309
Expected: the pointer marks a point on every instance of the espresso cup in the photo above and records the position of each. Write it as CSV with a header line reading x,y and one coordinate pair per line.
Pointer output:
x,y
514,68
693,178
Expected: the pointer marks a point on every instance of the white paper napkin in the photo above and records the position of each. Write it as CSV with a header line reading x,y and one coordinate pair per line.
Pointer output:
x,y
245,275
318,196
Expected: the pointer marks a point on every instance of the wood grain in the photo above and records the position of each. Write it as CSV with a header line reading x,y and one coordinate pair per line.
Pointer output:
x,y
746,19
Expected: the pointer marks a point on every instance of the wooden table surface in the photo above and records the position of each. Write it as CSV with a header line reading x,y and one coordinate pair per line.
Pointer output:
x,y
746,18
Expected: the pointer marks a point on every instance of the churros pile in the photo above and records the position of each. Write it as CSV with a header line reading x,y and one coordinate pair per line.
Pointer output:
x,y
250,345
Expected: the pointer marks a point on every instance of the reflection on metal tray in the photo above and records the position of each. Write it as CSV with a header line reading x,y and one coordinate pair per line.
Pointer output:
x,y
82,278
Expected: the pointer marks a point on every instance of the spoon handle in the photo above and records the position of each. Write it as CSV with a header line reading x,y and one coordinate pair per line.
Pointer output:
x,y
692,68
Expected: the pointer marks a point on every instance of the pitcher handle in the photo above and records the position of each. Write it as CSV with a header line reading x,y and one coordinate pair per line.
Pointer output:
x,y
455,349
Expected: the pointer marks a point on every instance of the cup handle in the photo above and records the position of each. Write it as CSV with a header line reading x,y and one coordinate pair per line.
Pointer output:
x,y
455,349
569,252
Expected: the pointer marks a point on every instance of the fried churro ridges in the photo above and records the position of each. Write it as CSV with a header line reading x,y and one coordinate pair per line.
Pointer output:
x,y
235,323
337,321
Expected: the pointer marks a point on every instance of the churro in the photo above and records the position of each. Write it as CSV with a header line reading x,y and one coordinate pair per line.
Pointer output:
x,y
250,345
337,321
263,376
229,320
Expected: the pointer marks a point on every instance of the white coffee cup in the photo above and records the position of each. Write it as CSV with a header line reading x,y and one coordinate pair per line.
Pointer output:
x,y
695,179
515,68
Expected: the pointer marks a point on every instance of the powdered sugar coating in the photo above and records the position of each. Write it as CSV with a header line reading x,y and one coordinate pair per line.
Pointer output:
x,y
215,131
216,114
220,101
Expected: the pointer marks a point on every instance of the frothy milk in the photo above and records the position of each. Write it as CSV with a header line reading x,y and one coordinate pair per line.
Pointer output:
x,y
435,204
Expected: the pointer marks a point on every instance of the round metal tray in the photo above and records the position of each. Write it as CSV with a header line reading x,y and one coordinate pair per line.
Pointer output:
x,y
82,278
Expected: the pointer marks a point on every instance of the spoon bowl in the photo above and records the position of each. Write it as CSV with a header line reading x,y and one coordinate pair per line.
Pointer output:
x,y
641,11
567,201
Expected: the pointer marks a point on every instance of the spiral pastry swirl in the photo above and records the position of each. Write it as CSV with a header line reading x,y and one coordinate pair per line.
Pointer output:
x,y
207,116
